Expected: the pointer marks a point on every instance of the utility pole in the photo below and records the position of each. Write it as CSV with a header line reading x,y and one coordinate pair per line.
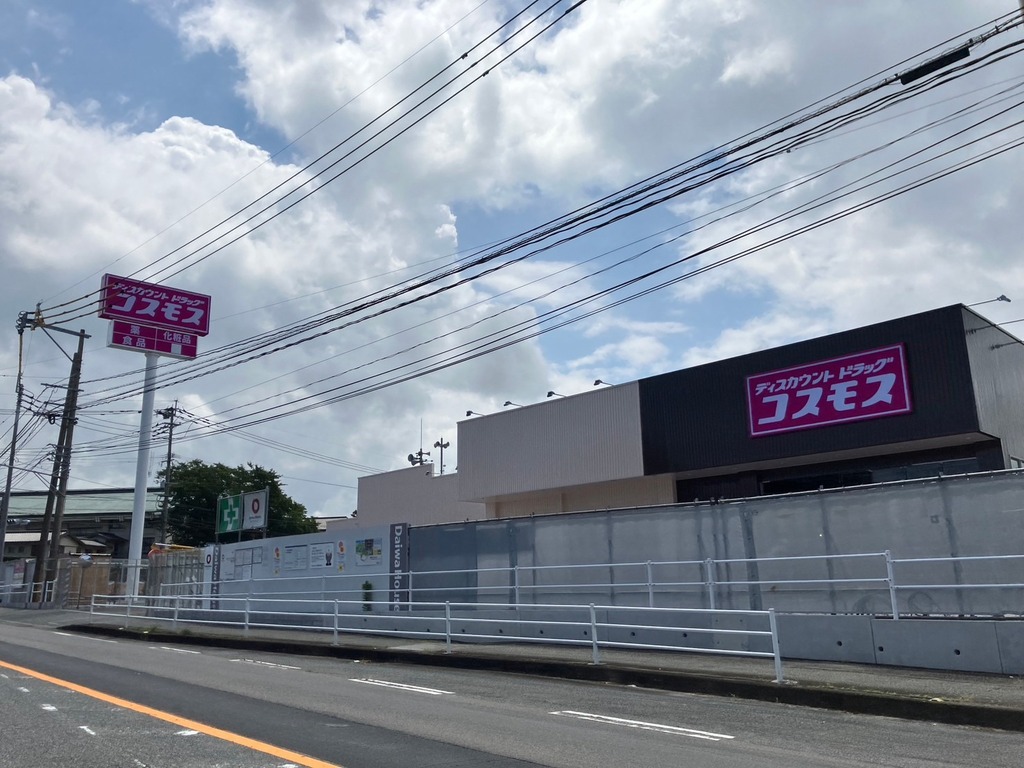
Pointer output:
x,y
71,418
49,544
5,503
167,413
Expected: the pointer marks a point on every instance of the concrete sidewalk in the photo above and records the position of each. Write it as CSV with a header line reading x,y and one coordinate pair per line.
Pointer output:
x,y
985,700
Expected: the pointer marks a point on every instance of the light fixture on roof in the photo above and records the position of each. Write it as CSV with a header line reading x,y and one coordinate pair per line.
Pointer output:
x,y
507,403
598,382
474,413
552,393
1000,297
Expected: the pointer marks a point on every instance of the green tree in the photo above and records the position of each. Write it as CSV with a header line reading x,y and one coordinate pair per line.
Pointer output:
x,y
196,486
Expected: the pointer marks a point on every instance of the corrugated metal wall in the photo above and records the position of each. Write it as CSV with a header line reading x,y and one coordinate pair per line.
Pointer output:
x,y
947,517
997,360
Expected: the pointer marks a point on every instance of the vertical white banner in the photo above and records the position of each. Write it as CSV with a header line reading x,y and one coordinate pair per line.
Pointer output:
x,y
254,509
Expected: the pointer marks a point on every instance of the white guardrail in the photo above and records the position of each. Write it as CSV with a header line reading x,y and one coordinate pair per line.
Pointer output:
x,y
722,632
22,594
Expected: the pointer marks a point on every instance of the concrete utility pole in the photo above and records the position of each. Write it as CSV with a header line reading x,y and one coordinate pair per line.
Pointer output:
x,y
5,503
167,413
71,417
49,543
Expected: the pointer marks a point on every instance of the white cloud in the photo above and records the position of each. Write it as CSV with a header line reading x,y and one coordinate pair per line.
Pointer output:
x,y
616,92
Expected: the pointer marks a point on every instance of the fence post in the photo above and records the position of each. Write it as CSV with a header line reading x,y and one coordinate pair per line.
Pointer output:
x,y
595,654
515,581
891,579
128,609
174,621
650,585
775,645
335,642
447,627
709,581
246,627
409,592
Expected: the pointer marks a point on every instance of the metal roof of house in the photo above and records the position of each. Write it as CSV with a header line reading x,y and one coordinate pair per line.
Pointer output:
x,y
92,503
23,538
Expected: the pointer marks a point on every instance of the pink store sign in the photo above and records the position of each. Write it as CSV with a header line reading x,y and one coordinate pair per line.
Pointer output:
x,y
866,385
155,305
144,338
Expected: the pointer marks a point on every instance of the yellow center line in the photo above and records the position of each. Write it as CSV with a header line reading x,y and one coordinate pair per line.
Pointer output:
x,y
209,730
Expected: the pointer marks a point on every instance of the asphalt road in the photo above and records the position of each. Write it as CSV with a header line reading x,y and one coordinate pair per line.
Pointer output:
x,y
360,715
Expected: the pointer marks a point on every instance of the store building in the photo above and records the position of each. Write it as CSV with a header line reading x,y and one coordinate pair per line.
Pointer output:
x,y
938,392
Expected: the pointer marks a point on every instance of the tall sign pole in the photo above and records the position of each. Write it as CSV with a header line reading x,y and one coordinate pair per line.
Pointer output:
x,y
141,474
157,320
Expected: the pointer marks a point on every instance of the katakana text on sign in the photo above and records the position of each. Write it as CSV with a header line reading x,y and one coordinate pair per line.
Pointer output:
x,y
866,385
155,305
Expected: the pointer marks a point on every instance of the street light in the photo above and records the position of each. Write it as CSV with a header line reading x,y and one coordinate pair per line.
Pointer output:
x,y
598,382
552,393
507,403
1000,297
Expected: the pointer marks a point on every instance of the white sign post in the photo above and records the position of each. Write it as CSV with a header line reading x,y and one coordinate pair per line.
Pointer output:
x,y
157,320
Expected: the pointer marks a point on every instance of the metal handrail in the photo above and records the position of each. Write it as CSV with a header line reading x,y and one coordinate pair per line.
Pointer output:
x,y
150,608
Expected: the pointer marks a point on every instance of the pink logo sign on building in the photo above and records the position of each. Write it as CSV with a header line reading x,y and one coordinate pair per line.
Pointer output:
x,y
866,385
155,305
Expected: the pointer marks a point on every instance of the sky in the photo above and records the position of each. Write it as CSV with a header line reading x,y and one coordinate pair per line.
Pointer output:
x,y
403,211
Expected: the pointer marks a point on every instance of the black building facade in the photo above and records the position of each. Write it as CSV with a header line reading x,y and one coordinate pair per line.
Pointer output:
x,y
937,392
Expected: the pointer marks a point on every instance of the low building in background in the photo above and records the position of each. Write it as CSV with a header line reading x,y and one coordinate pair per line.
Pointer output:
x,y
95,522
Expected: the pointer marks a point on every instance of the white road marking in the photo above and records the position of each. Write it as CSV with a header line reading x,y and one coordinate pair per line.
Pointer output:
x,y
23,689
48,707
659,727
175,650
186,732
63,634
88,730
401,686
265,663
97,639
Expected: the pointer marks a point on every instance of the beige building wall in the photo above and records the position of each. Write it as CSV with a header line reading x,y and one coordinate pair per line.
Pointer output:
x,y
633,492
412,495
592,437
